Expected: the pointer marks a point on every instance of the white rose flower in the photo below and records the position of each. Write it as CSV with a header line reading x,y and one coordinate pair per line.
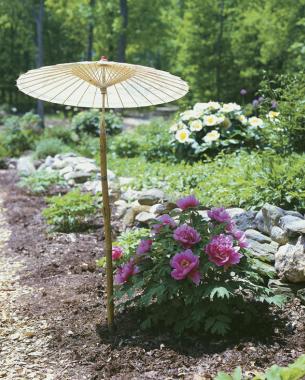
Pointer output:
x,y
210,120
174,128
272,116
230,107
243,119
211,136
200,107
196,125
214,105
256,122
182,135
189,114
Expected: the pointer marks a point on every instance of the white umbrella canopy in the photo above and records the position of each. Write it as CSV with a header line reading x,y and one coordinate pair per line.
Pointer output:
x,y
103,84
77,84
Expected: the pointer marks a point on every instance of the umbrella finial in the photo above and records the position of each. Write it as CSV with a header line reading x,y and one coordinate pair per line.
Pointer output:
x,y
104,58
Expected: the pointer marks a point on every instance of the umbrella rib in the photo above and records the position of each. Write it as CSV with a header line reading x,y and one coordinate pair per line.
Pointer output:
x,y
151,83
122,84
75,89
96,89
57,76
42,73
60,92
140,93
51,89
161,79
82,95
132,79
118,95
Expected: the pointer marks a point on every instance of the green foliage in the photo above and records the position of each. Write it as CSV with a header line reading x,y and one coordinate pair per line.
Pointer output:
x,y
244,180
65,134
294,371
88,122
223,293
125,146
41,181
70,212
50,147
285,133
20,133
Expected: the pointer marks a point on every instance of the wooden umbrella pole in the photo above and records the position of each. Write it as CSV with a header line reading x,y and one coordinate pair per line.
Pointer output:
x,y
106,214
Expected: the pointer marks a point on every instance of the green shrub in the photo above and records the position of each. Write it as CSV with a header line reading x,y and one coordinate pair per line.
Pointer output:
x,y
20,133
71,212
125,145
65,134
191,274
87,122
41,181
50,147
88,146
243,180
294,371
286,132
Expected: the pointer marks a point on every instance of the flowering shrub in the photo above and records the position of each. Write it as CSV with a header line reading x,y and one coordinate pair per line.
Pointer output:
x,y
191,272
211,127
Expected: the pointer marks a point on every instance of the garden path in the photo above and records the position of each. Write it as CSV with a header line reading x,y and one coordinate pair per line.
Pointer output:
x,y
25,350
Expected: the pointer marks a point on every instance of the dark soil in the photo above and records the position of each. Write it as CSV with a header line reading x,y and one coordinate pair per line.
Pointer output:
x,y
70,296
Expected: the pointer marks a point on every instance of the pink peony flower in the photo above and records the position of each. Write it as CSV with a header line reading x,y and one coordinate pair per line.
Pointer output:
x,y
117,252
219,214
187,202
125,271
241,237
165,220
186,235
185,265
221,252
144,246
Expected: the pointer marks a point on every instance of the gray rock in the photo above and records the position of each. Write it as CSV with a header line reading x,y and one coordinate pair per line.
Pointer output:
x,y
128,218
130,195
58,164
235,211
62,156
151,197
263,251
137,207
288,223
272,214
297,227
290,261
121,207
257,236
65,170
158,209
87,167
294,213
25,165
259,223
279,235
78,177
92,187
245,221
204,215
144,217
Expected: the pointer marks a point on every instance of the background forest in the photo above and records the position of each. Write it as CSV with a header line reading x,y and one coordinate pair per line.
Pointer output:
x,y
218,46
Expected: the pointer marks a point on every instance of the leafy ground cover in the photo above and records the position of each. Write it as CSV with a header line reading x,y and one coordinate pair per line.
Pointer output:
x,y
60,268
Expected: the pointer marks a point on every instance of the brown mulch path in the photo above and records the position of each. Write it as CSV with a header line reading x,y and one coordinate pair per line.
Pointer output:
x,y
57,311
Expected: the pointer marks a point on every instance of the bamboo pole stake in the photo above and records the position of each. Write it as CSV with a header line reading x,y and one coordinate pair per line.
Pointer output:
x,y
107,215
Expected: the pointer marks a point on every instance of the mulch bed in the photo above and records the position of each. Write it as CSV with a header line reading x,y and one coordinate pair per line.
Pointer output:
x,y
70,296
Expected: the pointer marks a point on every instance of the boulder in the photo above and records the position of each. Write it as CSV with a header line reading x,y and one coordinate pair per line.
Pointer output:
x,y
158,209
244,220
272,214
128,218
279,235
25,165
123,181
78,177
293,225
151,197
282,288
87,167
92,186
137,207
301,295
259,223
144,217
294,213
130,195
121,207
257,236
290,261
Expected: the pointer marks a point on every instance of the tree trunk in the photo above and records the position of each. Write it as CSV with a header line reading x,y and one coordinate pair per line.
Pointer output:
x,y
219,50
39,55
123,33
90,31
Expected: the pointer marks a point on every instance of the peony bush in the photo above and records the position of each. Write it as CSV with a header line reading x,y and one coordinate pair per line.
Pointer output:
x,y
191,271
211,127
